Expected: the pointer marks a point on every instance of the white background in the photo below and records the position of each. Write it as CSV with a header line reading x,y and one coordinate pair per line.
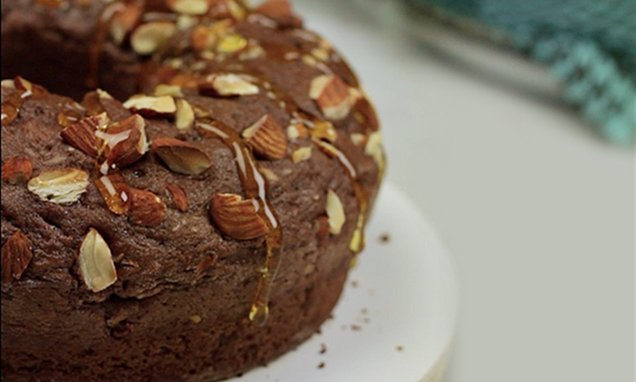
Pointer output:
x,y
538,212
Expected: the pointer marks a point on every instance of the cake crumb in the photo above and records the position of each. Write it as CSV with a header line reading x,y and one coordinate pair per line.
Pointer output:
x,y
385,238
354,283
323,348
399,348
195,318
356,328
321,365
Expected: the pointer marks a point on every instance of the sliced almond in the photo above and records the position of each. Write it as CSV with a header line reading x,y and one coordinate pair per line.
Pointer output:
x,y
252,52
267,138
189,7
375,149
114,191
125,141
180,156
150,106
228,85
335,213
179,197
301,154
70,112
324,130
297,131
96,262
16,256
358,139
81,135
59,186
231,44
238,217
184,118
16,170
168,90
152,36
268,174
124,21
146,209
279,11
334,98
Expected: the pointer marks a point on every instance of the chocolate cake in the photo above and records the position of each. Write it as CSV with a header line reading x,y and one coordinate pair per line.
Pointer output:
x,y
184,187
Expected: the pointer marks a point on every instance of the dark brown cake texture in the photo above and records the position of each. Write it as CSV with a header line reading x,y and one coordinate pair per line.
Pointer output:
x,y
201,227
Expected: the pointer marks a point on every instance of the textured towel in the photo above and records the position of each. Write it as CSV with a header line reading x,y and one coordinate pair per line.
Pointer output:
x,y
590,46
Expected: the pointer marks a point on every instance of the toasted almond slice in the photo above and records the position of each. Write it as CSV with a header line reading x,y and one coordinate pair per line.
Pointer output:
x,y
335,213
231,44
375,149
96,262
184,118
150,37
189,7
180,156
146,209
59,186
16,170
114,191
334,98
179,197
301,154
168,90
150,106
16,256
228,85
238,217
358,139
324,130
267,138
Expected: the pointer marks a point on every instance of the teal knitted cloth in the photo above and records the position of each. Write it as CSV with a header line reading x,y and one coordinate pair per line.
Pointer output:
x,y
590,46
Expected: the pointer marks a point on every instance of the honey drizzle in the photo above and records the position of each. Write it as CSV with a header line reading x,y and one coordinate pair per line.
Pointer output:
x,y
356,245
254,186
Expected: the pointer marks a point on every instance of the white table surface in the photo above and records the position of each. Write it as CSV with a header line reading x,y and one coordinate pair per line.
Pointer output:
x,y
538,212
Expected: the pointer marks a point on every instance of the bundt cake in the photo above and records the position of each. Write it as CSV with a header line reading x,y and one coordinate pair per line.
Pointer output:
x,y
184,187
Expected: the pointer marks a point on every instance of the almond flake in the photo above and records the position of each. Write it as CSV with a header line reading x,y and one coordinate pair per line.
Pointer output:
x,y
184,118
16,170
146,209
114,191
267,138
228,85
96,262
238,217
16,256
358,139
333,96
324,130
231,44
150,37
168,90
335,213
301,154
297,131
180,156
189,7
59,186
150,106
375,149
179,197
